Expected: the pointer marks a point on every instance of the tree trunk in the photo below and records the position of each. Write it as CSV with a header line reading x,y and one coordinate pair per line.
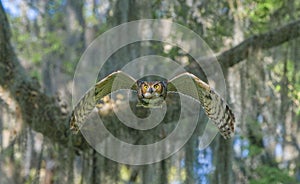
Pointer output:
x,y
223,152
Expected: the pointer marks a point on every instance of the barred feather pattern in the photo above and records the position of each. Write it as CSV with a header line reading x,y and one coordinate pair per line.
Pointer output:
x,y
82,110
218,111
215,107
102,88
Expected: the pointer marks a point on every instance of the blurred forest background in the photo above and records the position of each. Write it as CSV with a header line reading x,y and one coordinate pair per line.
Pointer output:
x,y
256,41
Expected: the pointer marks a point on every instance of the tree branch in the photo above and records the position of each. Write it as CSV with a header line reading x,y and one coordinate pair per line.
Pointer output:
x,y
38,110
263,41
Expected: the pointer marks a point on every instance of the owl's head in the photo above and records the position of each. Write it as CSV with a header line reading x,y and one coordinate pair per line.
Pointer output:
x,y
153,92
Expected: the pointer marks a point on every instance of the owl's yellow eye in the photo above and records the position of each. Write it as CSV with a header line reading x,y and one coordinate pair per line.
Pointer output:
x,y
156,86
145,87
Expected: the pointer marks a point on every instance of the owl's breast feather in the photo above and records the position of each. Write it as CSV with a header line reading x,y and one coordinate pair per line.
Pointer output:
x,y
151,102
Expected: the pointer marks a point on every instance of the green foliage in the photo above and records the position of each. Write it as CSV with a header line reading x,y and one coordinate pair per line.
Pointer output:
x,y
68,67
36,75
267,174
293,81
34,47
260,13
254,150
54,43
27,46
255,138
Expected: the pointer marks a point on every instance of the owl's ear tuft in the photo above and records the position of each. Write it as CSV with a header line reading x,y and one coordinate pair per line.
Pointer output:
x,y
139,82
165,83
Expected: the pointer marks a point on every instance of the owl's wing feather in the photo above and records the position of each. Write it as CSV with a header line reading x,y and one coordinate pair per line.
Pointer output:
x,y
102,88
215,107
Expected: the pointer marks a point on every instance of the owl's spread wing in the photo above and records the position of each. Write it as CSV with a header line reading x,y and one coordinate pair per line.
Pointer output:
x,y
102,88
215,107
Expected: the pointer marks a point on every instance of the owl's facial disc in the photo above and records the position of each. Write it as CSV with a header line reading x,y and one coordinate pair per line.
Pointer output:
x,y
152,89
151,93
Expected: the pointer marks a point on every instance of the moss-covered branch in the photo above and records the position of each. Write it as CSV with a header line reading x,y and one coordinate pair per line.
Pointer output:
x,y
262,41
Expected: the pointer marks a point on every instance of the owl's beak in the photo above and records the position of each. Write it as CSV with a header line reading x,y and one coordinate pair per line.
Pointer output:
x,y
150,90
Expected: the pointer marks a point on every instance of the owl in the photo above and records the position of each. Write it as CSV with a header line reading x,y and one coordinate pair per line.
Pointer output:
x,y
151,94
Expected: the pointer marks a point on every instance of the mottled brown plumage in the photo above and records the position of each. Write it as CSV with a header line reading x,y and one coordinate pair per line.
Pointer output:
x,y
152,94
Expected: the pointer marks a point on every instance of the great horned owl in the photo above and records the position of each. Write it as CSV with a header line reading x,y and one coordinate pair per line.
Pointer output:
x,y
152,94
